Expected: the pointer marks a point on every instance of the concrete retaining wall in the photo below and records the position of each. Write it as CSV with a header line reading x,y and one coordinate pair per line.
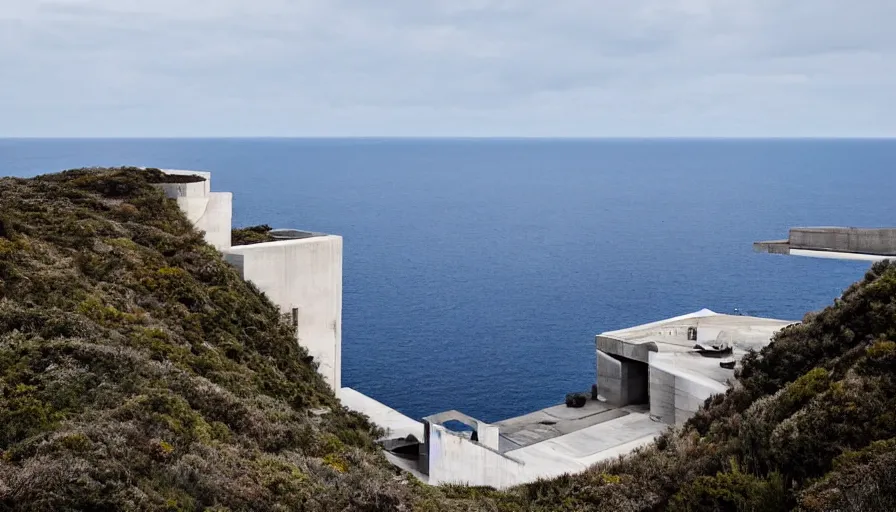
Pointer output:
x,y
675,396
868,241
456,460
306,276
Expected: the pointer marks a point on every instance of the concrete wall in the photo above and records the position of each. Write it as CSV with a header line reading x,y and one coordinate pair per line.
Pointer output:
x,y
868,241
210,212
676,396
305,275
456,460
217,220
621,381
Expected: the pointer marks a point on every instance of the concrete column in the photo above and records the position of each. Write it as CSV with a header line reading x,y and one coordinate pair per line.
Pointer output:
x,y
488,435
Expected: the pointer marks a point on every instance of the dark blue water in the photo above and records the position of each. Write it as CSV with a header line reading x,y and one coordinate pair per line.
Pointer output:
x,y
478,272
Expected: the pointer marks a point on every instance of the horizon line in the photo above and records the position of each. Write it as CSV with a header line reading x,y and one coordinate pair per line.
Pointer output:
x,y
458,137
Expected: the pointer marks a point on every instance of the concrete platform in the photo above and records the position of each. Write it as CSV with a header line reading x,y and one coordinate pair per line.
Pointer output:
x,y
861,244
553,422
578,450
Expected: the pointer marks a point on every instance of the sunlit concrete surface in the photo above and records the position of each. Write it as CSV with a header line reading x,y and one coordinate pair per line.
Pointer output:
x,y
394,423
301,272
304,278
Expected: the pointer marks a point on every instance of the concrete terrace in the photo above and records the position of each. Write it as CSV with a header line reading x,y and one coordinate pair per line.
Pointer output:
x,y
835,243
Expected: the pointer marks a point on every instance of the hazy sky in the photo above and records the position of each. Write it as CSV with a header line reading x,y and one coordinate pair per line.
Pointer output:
x,y
447,67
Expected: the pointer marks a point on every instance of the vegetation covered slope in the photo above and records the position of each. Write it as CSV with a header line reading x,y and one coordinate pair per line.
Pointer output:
x,y
139,372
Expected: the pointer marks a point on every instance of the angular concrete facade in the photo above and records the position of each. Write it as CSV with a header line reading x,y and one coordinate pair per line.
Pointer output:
x,y
649,377
674,365
304,278
302,274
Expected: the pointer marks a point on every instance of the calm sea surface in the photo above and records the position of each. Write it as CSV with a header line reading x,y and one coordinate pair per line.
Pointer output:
x,y
478,272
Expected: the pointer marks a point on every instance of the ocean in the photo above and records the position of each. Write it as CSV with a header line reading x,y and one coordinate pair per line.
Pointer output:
x,y
477,272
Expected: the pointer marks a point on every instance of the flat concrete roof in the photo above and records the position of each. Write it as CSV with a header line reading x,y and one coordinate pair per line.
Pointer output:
x,y
553,422
671,335
580,438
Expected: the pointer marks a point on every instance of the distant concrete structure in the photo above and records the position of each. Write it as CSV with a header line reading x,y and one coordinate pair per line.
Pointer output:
x,y
674,365
835,243
301,272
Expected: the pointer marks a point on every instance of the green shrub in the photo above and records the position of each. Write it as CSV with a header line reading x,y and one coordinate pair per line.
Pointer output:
x,y
733,491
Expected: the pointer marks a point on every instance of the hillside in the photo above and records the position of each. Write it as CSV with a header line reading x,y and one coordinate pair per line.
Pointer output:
x,y
139,372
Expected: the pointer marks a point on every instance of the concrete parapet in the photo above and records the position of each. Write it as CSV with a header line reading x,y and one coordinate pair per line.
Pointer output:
x,y
864,241
614,346
868,241
452,459
195,189
395,424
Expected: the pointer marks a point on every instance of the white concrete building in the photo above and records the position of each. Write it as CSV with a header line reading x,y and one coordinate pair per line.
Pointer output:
x,y
648,377
211,212
303,276
301,272
674,365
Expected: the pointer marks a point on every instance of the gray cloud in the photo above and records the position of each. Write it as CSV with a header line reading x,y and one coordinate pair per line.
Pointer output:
x,y
440,67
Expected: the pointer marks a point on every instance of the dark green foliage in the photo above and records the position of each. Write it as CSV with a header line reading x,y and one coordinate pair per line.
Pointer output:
x,y
136,367
139,372
733,491
251,235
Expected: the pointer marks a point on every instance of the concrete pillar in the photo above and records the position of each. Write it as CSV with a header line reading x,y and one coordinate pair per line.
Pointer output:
x,y
488,435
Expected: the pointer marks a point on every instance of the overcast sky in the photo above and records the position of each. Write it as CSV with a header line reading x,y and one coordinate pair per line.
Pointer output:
x,y
579,68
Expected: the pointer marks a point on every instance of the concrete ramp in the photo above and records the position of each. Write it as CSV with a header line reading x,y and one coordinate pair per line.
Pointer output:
x,y
396,424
